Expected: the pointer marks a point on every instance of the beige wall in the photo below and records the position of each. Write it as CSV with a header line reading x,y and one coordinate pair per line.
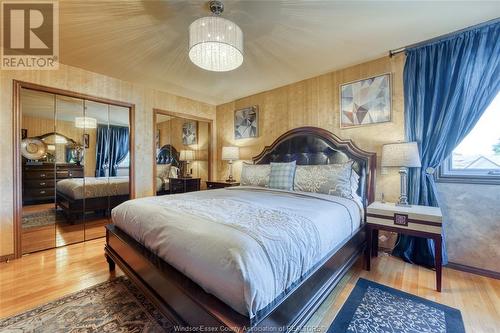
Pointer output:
x,y
78,80
315,102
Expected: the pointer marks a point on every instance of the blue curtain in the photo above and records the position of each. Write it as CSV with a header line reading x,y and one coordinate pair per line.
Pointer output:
x,y
448,85
112,148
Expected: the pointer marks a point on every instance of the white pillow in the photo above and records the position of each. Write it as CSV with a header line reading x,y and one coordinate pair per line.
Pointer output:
x,y
163,171
335,179
173,172
255,174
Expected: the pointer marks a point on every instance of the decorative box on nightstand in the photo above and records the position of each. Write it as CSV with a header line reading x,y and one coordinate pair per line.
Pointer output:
x,y
420,221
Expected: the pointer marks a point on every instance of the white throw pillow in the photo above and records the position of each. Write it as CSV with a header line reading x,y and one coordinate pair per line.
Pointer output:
x,y
255,174
335,179
174,171
163,171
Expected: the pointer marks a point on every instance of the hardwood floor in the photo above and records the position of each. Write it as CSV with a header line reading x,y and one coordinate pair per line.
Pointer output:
x,y
44,276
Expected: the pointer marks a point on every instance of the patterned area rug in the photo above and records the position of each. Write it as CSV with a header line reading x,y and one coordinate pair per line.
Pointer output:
x,y
41,219
112,306
372,307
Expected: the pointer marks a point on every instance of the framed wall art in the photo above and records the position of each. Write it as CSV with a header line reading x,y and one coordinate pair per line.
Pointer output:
x,y
246,123
189,132
365,102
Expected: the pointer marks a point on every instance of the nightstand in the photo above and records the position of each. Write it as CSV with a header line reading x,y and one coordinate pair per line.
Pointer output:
x,y
211,185
420,221
183,185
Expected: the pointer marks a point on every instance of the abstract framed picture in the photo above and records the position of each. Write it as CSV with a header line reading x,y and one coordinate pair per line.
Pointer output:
x,y
246,123
365,102
189,132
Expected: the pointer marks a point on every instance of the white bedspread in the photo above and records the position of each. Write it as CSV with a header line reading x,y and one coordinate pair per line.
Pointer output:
x,y
244,245
91,187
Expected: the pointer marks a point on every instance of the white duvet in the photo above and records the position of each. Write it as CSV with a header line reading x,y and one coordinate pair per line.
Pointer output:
x,y
245,245
92,187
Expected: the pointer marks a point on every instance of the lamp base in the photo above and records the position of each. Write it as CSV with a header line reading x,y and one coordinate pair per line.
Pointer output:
x,y
403,197
230,179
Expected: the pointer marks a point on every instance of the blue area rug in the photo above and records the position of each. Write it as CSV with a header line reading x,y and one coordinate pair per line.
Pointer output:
x,y
372,307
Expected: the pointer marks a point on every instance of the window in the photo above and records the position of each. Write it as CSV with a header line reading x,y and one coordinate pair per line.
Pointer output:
x,y
477,158
125,162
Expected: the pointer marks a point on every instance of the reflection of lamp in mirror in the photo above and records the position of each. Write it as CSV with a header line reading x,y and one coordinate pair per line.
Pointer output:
x,y
77,152
403,155
230,154
187,156
85,122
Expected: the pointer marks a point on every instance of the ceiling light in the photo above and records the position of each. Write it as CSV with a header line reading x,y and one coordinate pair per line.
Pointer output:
x,y
85,122
215,44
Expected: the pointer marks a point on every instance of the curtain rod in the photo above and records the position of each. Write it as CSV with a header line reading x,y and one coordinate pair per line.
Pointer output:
x,y
435,39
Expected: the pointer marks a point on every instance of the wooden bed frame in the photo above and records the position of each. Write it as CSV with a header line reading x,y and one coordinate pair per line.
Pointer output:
x,y
75,209
185,303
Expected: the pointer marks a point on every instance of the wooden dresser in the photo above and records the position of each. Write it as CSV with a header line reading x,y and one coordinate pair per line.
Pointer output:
x,y
39,180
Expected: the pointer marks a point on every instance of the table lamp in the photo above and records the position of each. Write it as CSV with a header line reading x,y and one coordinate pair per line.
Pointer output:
x,y
230,154
187,156
403,155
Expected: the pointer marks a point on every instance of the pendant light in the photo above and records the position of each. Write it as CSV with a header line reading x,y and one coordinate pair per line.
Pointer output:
x,y
215,43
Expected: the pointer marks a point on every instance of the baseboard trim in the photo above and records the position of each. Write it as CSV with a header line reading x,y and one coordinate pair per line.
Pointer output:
x,y
7,257
474,270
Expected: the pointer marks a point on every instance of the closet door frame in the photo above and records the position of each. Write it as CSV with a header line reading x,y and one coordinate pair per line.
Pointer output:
x,y
16,140
184,116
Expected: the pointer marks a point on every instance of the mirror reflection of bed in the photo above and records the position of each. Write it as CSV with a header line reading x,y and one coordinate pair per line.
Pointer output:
x,y
182,151
75,168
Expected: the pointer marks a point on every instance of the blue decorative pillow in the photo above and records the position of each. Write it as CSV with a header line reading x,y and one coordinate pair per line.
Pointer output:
x,y
282,175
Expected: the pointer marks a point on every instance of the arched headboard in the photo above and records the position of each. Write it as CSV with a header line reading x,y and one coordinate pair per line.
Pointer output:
x,y
168,154
315,146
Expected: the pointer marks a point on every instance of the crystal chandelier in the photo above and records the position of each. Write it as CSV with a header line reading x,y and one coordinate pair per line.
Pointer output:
x,y
215,44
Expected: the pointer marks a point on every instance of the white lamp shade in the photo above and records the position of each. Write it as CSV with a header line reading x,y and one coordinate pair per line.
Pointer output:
x,y
187,155
85,122
230,153
215,44
402,154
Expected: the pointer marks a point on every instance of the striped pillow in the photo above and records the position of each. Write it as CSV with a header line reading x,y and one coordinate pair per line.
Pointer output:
x,y
282,175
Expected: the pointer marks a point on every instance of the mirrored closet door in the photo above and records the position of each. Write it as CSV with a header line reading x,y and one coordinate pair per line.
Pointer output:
x,y
75,167
182,148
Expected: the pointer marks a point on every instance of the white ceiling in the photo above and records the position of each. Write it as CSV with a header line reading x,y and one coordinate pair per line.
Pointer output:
x,y
44,105
285,41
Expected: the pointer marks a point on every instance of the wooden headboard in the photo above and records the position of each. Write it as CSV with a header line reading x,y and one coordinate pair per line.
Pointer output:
x,y
316,146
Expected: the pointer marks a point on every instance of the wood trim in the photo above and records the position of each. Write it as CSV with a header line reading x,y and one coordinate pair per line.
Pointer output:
x,y
7,257
69,93
184,116
17,116
391,218
349,146
473,270
16,141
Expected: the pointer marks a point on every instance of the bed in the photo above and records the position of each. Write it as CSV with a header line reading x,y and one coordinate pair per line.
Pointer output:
x,y
77,196
167,155
265,283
